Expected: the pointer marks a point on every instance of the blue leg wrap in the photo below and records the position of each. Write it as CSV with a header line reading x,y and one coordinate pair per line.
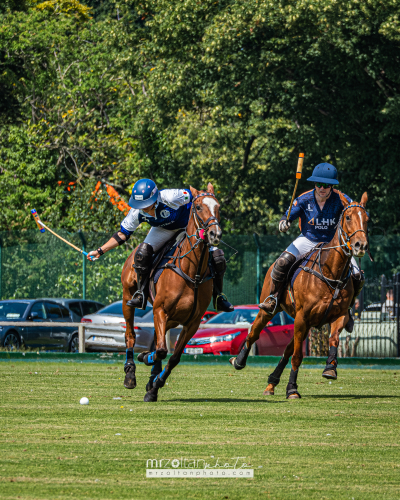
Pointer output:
x,y
156,369
150,359
129,357
160,380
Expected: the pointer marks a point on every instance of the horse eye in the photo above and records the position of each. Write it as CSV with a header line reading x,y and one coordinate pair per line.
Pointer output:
x,y
347,217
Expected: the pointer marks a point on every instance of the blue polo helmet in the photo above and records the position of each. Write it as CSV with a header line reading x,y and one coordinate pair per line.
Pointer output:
x,y
144,194
324,172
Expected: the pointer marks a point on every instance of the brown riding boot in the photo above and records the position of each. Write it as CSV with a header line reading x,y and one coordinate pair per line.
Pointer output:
x,y
279,273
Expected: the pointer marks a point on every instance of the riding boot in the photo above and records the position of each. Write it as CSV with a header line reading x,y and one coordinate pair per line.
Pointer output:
x,y
142,266
220,301
358,284
278,277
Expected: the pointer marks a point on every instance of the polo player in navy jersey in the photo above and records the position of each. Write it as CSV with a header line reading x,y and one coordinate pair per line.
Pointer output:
x,y
319,212
168,212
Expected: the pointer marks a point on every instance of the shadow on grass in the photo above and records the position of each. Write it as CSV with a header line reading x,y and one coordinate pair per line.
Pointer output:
x,y
222,400
348,396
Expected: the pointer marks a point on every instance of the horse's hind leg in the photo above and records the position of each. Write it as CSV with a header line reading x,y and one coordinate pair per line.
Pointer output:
x,y
275,377
331,363
261,320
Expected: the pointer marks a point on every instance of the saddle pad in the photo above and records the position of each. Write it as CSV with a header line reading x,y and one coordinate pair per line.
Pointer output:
x,y
162,263
303,262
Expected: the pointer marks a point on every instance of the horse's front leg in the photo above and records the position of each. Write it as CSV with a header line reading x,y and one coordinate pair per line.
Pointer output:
x,y
275,377
159,381
130,339
300,332
331,363
261,320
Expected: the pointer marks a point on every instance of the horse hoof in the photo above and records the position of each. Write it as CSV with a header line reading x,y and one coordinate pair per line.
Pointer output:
x,y
150,396
232,361
268,393
141,356
130,378
294,395
331,374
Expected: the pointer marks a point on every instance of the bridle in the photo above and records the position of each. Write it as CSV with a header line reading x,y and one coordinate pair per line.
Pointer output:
x,y
211,221
344,238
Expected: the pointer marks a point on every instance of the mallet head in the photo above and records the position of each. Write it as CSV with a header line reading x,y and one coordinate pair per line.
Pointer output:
x,y
36,217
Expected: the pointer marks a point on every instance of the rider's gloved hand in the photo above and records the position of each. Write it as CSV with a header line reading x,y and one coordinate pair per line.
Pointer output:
x,y
284,226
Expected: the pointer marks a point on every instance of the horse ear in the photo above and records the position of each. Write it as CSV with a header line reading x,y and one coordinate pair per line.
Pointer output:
x,y
210,188
364,199
194,192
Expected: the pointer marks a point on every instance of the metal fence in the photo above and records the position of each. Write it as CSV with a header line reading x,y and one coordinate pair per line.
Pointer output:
x,y
34,265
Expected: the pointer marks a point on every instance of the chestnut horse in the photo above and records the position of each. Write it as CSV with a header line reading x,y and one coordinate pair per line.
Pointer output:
x,y
182,296
321,294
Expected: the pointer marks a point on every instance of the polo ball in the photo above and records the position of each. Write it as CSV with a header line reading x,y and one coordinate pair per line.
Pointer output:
x,y
84,401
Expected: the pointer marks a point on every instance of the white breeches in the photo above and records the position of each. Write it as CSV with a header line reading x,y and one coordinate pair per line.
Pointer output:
x,y
302,245
157,236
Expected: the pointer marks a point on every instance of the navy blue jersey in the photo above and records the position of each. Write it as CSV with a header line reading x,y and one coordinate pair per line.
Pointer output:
x,y
172,211
316,224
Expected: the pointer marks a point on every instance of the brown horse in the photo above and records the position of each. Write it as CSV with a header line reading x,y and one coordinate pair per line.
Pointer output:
x,y
322,294
182,295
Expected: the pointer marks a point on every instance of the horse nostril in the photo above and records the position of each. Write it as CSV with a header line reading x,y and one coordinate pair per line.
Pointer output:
x,y
357,245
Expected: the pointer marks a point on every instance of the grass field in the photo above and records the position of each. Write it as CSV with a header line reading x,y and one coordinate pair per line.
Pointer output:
x,y
341,440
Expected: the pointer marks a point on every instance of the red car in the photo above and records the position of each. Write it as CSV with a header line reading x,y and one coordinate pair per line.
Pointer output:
x,y
225,333
207,316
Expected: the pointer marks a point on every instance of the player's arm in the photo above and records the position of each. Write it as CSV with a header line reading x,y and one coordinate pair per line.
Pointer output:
x,y
284,224
175,198
128,226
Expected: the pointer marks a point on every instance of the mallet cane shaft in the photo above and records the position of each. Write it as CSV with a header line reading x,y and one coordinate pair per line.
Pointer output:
x,y
41,226
298,176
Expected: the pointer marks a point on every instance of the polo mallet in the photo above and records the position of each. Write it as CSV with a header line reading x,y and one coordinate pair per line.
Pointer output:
x,y
298,176
43,227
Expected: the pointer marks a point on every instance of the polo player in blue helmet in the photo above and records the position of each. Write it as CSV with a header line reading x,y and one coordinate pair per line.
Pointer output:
x,y
319,212
168,212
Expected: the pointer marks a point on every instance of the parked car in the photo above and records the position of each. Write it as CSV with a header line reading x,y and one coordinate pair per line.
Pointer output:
x,y
79,307
226,333
111,315
207,316
36,336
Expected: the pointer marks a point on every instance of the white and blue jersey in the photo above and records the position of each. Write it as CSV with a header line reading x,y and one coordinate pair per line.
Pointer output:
x,y
315,224
172,212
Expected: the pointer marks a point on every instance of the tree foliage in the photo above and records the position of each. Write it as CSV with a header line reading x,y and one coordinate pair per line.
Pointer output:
x,y
188,92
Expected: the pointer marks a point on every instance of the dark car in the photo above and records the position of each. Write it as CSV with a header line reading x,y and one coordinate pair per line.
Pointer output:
x,y
79,307
36,336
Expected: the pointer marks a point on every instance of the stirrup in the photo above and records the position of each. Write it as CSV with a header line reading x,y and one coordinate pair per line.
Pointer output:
x,y
139,294
224,297
272,297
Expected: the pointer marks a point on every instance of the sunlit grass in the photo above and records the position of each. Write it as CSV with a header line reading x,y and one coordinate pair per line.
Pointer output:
x,y
341,440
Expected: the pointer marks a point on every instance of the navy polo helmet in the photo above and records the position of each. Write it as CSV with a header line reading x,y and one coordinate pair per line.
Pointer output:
x,y
144,194
324,172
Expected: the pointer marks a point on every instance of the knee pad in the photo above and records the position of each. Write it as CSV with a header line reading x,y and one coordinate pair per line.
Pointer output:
x,y
282,266
219,261
143,256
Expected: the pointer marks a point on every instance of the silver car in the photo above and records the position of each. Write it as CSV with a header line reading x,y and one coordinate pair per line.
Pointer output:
x,y
104,340
97,339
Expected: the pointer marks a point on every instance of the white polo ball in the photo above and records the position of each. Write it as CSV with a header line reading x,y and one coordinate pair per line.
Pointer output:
x,y
84,401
